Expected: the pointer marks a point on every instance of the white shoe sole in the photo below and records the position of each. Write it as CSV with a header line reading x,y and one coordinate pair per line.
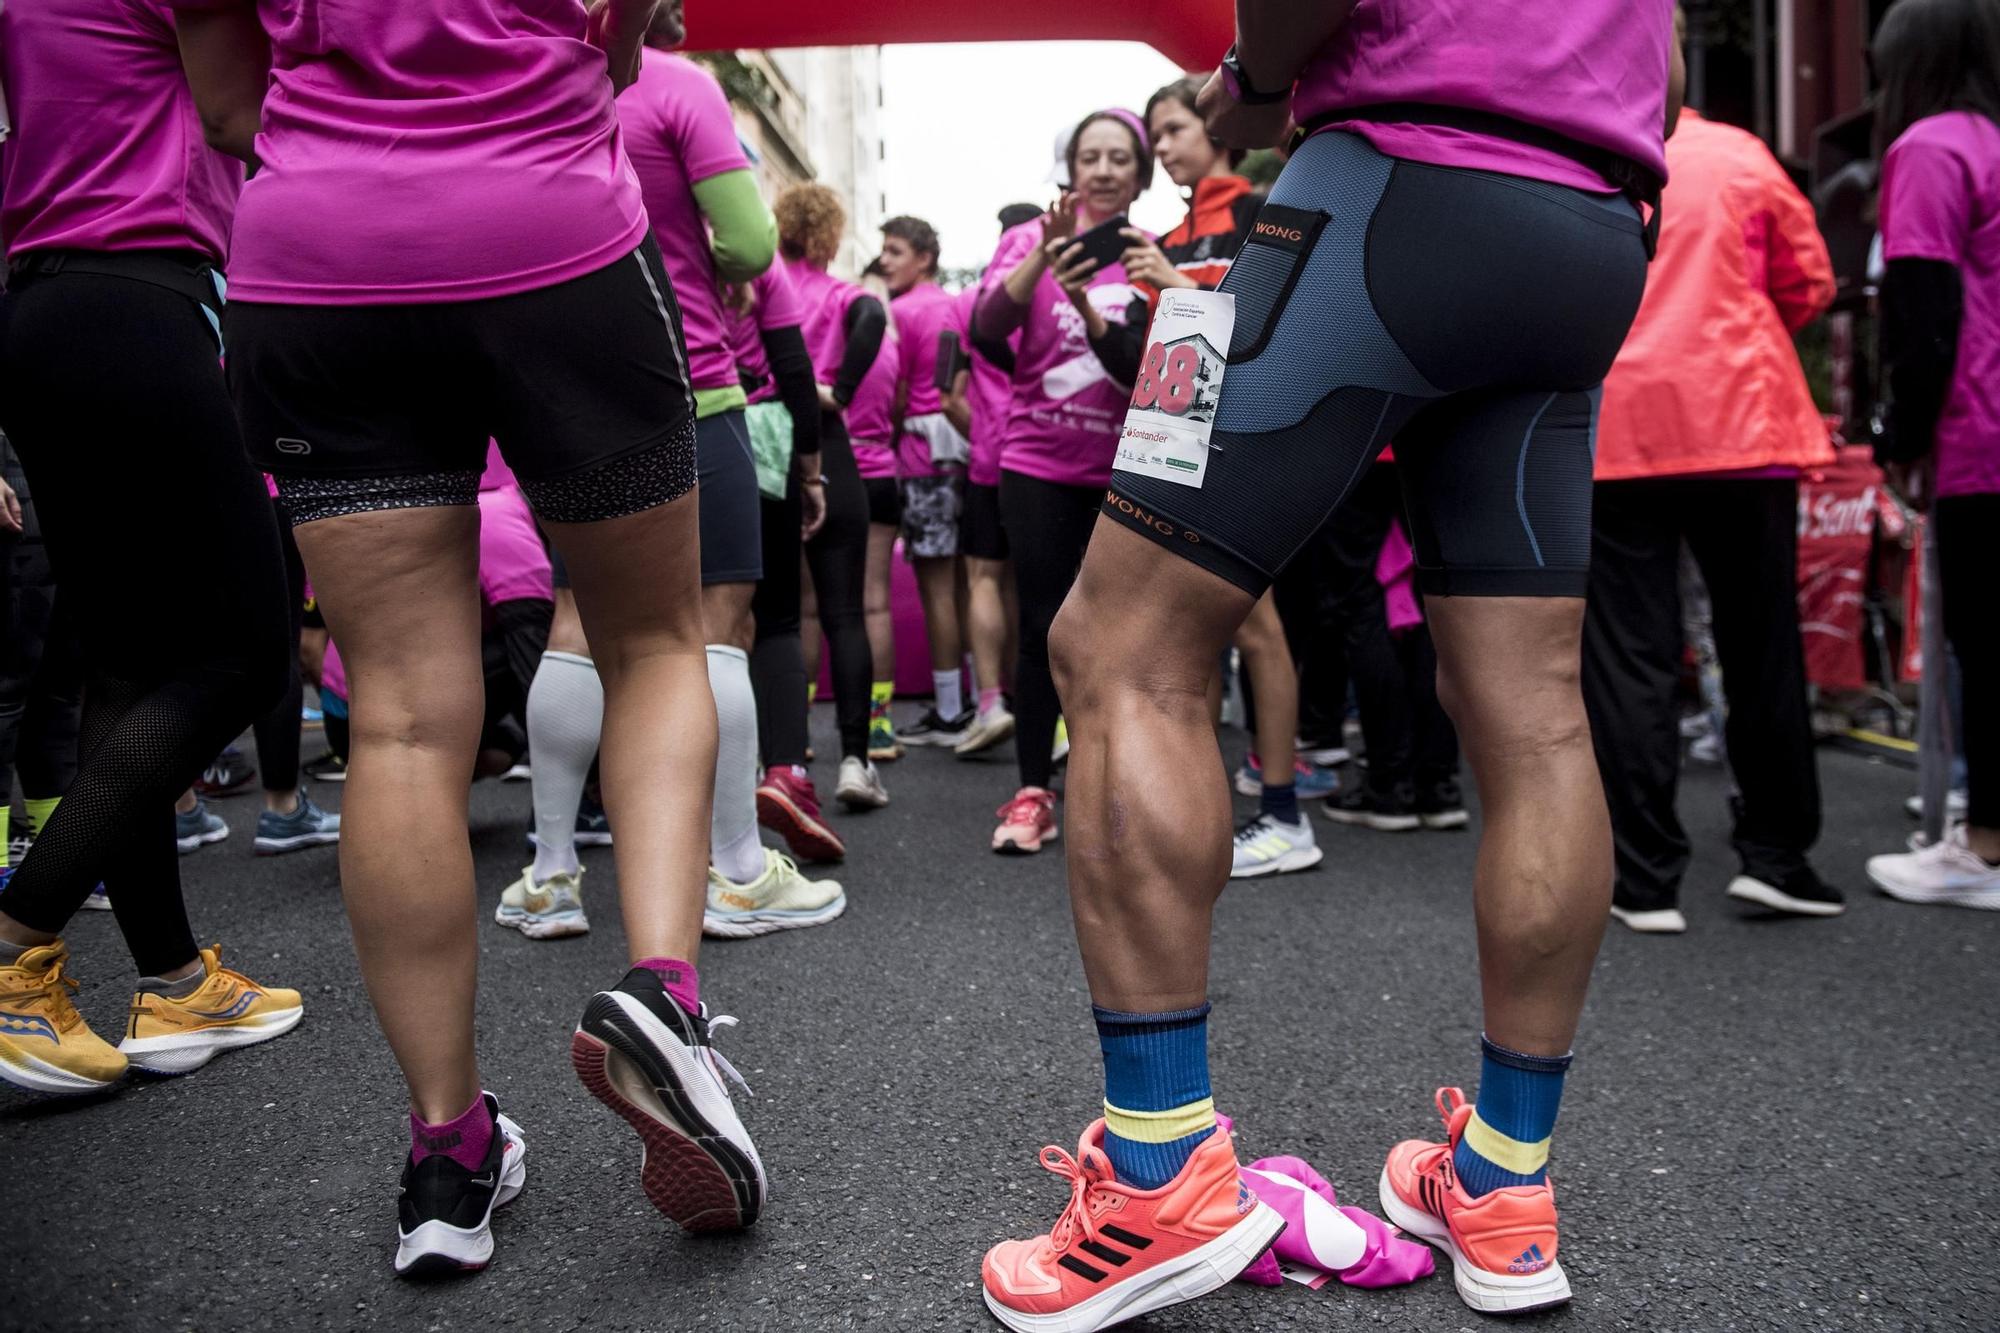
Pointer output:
x,y
1372,820
748,925
1980,898
981,739
1664,921
438,1247
1017,847
1747,890
25,1071
1299,858
200,840
560,926
941,740
1484,1291
1196,1273
1440,821
274,846
861,798
186,1052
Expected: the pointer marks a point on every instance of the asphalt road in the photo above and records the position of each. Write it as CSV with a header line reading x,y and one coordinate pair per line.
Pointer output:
x,y
1770,1124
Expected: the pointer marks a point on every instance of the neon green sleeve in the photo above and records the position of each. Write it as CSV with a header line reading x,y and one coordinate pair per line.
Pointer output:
x,y
745,234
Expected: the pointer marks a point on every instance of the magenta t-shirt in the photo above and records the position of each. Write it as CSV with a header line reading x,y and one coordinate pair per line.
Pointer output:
x,y
1066,410
990,395
826,301
678,131
922,315
1941,201
1594,70
107,150
776,307
451,150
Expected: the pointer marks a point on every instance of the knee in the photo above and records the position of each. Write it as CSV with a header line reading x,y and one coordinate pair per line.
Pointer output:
x,y
1517,714
1070,658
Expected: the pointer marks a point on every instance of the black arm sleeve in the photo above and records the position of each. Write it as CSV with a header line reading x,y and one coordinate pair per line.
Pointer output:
x,y
867,325
1923,304
792,370
1123,346
994,352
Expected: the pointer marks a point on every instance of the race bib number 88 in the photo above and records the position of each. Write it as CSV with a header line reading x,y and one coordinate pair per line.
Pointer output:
x,y
1179,386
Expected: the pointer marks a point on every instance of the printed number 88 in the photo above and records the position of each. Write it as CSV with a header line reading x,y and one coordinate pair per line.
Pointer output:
x,y
1166,380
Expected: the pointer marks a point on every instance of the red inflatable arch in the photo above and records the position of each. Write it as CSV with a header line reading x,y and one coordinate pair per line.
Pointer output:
x,y
1192,33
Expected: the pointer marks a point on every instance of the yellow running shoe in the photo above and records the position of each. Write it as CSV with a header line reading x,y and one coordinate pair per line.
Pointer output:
x,y
45,1046
169,1036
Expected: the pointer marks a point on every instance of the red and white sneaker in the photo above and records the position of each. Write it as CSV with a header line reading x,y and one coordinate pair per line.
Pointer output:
x,y
1117,1252
1026,822
788,805
1502,1245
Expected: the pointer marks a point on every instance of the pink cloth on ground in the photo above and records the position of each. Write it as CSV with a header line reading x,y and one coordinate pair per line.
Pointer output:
x,y
1319,1231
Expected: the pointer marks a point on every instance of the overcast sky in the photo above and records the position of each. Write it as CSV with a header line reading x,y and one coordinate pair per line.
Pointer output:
x,y
970,127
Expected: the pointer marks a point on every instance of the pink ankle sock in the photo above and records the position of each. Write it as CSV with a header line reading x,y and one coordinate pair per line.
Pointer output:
x,y
680,979
989,699
465,1139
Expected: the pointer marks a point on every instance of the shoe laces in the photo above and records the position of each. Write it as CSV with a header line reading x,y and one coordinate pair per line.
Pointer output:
x,y
1085,1176
722,1061
52,987
1027,807
1253,828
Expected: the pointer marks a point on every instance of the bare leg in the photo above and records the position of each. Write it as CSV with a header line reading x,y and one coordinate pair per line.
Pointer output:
x,y
1269,660
638,590
937,584
400,591
987,620
876,603
1508,673
1133,650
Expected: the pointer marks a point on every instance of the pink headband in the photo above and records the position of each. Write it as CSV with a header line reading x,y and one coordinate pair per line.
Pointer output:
x,y
1130,120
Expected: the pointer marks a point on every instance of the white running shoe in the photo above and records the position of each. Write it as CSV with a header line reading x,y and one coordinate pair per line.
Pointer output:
x,y
1947,873
444,1212
1657,921
779,899
987,730
860,786
550,910
1269,846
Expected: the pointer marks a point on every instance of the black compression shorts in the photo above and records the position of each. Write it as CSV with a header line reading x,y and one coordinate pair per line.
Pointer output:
x,y
1467,316
363,407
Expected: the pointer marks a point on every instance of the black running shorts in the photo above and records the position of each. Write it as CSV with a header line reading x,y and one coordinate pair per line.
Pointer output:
x,y
1465,316
362,407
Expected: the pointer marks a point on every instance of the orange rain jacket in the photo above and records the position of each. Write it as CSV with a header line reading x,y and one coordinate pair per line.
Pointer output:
x,y
1708,380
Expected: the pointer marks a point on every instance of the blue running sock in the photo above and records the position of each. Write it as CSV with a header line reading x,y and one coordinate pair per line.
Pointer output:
x,y
1157,1107
1280,803
1507,1140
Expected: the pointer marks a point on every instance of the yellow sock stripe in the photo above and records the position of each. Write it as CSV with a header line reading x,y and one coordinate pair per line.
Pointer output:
x,y
1160,1126
1523,1159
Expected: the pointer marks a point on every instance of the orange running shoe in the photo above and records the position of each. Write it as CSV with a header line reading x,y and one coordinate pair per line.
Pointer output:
x,y
1502,1245
1117,1252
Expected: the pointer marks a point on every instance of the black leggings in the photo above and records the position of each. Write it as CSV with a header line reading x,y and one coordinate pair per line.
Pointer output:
x,y
41,671
112,394
278,730
1968,535
838,559
1048,530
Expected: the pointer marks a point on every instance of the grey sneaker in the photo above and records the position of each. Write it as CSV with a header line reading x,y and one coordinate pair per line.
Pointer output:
x,y
306,826
197,828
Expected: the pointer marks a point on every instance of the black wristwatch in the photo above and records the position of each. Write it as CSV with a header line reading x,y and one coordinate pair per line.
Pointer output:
x,y
1242,89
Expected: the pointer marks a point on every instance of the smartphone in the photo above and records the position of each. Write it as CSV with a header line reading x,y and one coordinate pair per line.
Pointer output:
x,y
1104,243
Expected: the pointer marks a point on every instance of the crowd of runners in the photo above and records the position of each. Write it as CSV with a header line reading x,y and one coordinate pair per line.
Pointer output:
x,y
527,439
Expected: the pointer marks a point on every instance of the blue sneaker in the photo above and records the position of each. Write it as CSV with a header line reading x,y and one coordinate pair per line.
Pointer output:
x,y
197,828
306,826
1314,782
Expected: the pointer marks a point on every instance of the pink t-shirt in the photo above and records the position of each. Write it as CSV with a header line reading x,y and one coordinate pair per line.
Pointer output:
x,y
107,150
513,563
452,150
777,307
923,313
1941,201
678,131
1062,424
826,300
990,395
1594,70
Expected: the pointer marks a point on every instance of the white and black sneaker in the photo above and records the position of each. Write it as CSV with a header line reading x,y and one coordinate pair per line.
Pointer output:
x,y
444,1213
1800,893
933,729
652,1062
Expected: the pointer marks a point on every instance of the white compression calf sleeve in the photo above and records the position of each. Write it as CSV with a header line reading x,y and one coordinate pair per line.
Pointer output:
x,y
732,832
565,719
